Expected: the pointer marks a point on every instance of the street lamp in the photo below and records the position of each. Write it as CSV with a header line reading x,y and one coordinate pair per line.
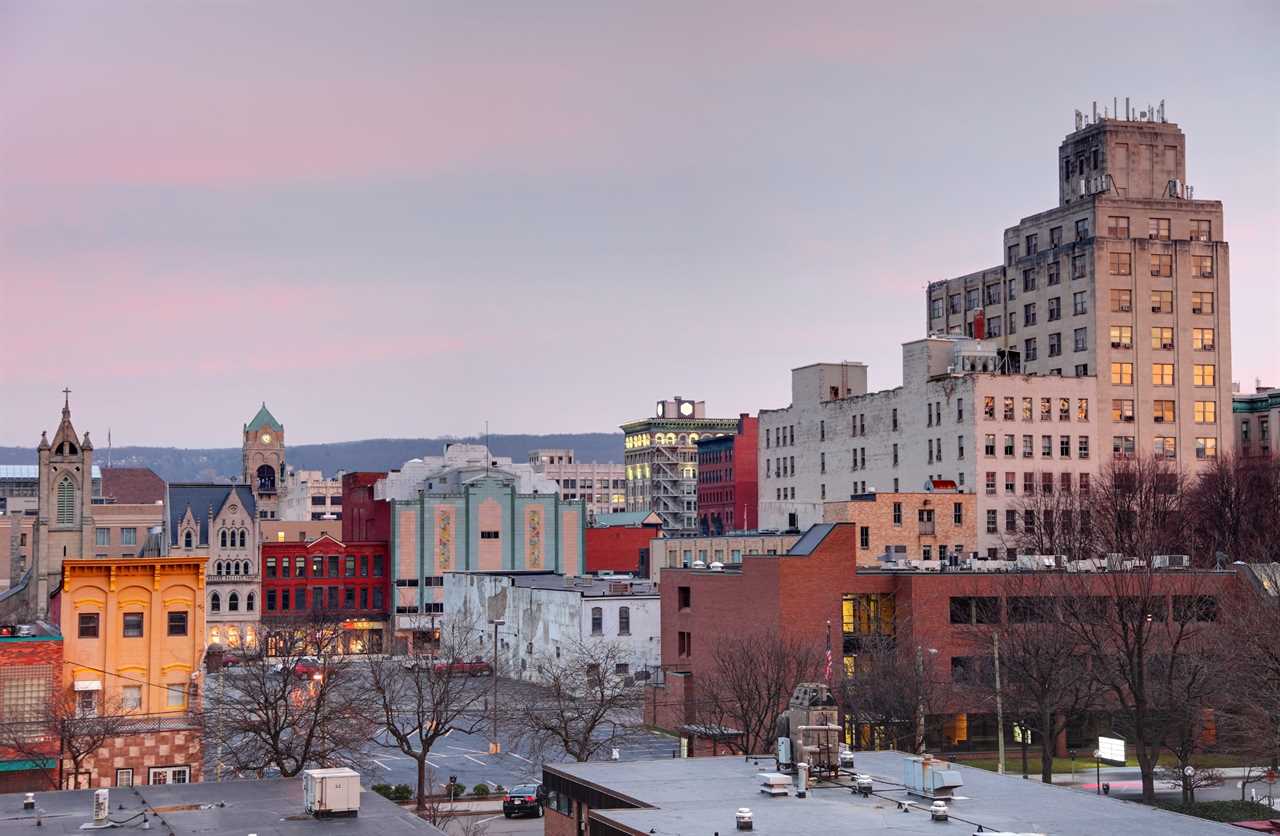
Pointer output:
x,y
495,746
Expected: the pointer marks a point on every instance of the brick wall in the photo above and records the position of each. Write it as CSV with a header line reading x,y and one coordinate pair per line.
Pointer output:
x,y
140,752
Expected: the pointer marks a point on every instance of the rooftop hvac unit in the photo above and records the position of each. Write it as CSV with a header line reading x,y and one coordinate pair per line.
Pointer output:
x,y
930,778
331,792
1171,561
699,564
717,566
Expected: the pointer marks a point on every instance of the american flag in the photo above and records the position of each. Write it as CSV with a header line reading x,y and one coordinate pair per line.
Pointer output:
x,y
827,673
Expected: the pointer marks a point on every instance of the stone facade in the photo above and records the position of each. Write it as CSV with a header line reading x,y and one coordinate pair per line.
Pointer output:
x,y
838,441
600,485
682,552
307,495
1127,282
152,757
1257,420
263,467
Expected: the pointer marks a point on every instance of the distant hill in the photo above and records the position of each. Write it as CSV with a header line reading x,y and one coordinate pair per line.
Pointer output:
x,y
178,465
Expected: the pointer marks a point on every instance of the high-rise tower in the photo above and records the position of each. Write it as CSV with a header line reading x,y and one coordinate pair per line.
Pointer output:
x,y
263,456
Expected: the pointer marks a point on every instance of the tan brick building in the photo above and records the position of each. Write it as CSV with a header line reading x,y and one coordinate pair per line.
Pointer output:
x,y
909,526
1128,280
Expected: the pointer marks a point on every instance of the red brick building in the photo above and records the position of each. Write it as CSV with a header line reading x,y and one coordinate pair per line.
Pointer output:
x,y
620,542
948,616
364,519
30,679
331,580
728,486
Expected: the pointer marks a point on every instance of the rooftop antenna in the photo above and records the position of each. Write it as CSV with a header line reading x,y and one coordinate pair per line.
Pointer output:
x,y
1115,107
1127,114
1162,110
108,448
1095,111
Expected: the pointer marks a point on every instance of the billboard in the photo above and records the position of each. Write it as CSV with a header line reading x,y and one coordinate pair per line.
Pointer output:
x,y
1111,749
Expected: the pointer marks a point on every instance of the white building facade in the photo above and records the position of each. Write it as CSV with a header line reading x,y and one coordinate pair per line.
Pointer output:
x,y
310,496
545,615
955,418
601,485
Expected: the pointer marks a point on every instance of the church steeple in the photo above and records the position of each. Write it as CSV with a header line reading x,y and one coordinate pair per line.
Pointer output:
x,y
65,440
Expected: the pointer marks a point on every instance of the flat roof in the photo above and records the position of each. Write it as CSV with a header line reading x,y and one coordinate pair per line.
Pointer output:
x,y
226,808
701,796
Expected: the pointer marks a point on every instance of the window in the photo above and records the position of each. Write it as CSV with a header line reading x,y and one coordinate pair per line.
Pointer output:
x,y
1046,446
175,695
1013,322
1010,482
285,567
178,623
1079,267
1008,409
957,512
1055,309
1082,228
1161,265
1162,301
1080,302
1202,302
1161,339
1082,409
864,538
489,535
1010,520
1064,446
1008,444
233,603
993,521
1032,244
1121,301
1012,252
684,641
989,407
1029,350
1029,314
128,536
1161,374
1054,273
1122,447
215,602
1028,281
1201,231
1028,446
1121,264
1029,610
975,610
935,312
1055,345
1046,409
87,625
1206,448
1117,227
959,447
1158,229
1202,339
993,294
1206,412
1083,447
1122,411
243,539
897,514
683,597
1121,374
1164,447
133,625
624,621
131,698
186,537
971,298
349,566
348,597
271,600
1202,374
67,501
102,536
1081,336
989,444
1202,266
991,483
1164,412
334,566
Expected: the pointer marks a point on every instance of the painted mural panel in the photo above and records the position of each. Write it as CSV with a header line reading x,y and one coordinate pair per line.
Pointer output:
x,y
492,535
406,541
535,545
571,540
445,545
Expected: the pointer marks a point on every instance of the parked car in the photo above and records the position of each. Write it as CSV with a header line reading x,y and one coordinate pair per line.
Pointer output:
x,y
523,800
308,667
453,667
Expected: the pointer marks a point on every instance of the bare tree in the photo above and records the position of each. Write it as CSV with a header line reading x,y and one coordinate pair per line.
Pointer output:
x,y
1045,676
1234,507
1248,722
293,703
419,700
62,732
892,690
1052,519
750,681
585,706
1141,648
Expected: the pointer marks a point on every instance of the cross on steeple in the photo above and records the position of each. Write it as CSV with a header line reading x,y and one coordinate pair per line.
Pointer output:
x,y
67,397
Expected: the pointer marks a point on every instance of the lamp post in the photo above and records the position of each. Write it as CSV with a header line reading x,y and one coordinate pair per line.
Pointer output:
x,y
495,747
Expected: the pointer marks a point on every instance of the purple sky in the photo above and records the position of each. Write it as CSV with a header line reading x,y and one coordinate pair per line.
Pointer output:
x,y
404,219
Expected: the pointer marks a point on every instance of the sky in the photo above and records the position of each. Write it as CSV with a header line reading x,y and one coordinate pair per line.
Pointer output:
x,y
408,219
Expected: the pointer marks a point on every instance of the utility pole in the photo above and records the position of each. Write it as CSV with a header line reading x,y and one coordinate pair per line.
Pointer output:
x,y
496,746
995,637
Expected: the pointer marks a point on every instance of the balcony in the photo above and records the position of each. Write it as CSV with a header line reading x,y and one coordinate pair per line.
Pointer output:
x,y
926,526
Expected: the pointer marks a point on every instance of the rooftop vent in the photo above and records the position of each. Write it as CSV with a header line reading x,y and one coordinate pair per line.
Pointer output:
x,y
929,777
331,792
744,818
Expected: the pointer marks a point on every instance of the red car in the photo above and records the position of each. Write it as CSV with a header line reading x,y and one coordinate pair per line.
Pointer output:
x,y
457,667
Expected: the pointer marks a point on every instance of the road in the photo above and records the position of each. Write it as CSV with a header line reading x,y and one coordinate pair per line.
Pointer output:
x,y
1126,783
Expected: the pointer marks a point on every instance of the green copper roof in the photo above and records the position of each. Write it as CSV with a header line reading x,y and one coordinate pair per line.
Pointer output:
x,y
264,419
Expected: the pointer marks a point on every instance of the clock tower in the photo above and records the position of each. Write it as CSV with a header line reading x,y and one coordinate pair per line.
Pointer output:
x,y
263,453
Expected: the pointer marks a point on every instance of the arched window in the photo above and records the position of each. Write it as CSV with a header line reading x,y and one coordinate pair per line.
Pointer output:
x,y
186,539
222,538
267,479
66,501
624,621
244,541
217,568
597,621
248,602
233,602
215,603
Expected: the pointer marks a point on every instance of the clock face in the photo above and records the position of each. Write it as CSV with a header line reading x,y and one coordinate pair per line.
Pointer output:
x,y
686,408
266,438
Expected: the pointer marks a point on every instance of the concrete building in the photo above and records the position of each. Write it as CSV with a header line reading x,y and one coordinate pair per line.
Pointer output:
x,y
661,457
134,639
120,530
957,417
675,552
546,614
893,528
263,466
309,496
728,486
601,485
470,511
218,525
698,796
1257,420
1125,282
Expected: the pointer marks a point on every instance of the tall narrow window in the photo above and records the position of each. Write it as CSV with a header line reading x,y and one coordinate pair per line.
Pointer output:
x,y
624,621
597,621
66,501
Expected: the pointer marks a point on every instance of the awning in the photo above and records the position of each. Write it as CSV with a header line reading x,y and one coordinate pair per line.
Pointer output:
x,y
88,685
24,765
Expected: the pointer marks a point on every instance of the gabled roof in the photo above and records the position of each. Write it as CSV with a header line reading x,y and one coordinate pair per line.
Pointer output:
x,y
202,499
132,485
264,420
628,518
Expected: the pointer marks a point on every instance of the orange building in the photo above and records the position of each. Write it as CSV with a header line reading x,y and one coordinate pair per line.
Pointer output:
x,y
133,632
934,525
